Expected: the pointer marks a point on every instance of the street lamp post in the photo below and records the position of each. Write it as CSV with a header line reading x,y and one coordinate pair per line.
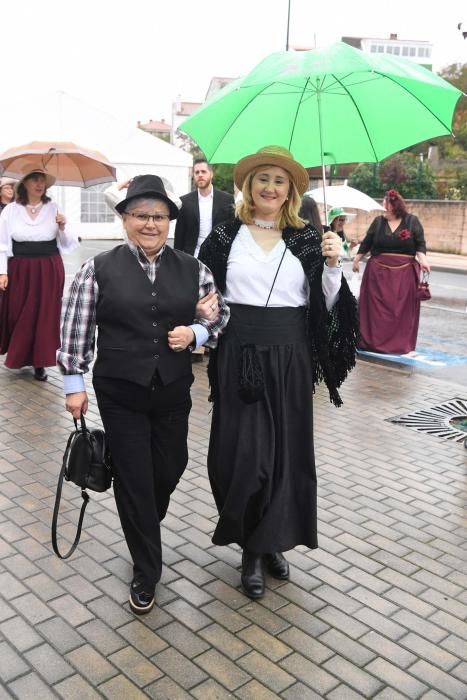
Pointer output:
x,y
288,26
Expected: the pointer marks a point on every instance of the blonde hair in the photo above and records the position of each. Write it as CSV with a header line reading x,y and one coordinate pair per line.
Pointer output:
x,y
288,215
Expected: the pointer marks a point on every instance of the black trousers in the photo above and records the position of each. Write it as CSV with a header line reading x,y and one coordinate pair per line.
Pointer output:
x,y
147,429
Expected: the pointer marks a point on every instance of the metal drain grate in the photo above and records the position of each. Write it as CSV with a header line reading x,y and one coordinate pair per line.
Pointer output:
x,y
448,420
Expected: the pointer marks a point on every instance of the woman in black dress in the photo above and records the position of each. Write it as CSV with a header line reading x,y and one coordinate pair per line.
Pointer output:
x,y
293,324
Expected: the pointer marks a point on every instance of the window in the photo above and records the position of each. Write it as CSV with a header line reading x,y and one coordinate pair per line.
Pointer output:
x,y
388,49
397,50
94,210
373,48
412,51
380,48
405,50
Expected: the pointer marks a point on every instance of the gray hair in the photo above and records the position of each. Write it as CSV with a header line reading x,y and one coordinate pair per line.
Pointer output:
x,y
143,201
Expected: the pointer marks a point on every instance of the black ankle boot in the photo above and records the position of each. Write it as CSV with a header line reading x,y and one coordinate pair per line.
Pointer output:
x,y
40,374
277,565
252,574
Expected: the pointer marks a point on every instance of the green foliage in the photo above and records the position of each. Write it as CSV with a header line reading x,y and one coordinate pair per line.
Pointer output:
x,y
223,177
453,184
456,148
365,178
405,172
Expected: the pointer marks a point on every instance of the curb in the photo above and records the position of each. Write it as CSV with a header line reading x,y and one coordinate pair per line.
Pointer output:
x,y
443,268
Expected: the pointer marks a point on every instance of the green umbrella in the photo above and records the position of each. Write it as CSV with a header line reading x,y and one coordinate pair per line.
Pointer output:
x,y
331,105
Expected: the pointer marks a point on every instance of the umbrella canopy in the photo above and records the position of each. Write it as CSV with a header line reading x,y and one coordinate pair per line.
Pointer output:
x,y
70,164
344,196
332,105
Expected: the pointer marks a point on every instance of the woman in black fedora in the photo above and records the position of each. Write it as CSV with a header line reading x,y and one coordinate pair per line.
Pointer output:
x,y
293,323
142,298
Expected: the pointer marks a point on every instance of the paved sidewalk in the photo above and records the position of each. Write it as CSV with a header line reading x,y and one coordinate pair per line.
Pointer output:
x,y
378,611
447,262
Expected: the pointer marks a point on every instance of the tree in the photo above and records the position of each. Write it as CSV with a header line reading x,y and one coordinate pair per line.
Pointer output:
x,y
365,178
223,177
452,148
187,144
405,172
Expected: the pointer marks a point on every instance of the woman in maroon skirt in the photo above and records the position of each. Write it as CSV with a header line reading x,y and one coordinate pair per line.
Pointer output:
x,y
389,308
33,235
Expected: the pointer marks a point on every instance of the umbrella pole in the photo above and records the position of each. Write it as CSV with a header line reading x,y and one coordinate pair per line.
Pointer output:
x,y
323,171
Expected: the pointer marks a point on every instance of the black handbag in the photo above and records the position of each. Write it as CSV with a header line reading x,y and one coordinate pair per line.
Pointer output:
x,y
86,463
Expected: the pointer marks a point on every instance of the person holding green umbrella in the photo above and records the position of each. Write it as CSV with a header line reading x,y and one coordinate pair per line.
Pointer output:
x,y
293,324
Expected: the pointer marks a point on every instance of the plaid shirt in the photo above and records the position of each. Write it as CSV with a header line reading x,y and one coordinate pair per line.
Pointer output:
x,y
79,312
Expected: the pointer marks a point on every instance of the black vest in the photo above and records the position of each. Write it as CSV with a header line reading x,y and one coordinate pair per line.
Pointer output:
x,y
133,315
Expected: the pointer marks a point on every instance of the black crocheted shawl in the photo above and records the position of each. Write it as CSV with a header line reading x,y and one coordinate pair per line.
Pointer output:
x,y
333,335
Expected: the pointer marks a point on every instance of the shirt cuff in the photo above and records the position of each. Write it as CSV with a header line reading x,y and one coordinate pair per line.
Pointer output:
x,y
201,334
331,284
72,383
328,270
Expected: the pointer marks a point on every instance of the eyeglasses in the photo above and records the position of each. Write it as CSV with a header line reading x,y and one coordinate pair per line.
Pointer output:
x,y
144,218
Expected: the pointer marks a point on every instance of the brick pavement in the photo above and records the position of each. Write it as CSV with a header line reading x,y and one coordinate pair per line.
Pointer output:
x,y
379,611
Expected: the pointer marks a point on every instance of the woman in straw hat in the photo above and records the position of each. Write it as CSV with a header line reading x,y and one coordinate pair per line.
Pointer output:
x,y
33,234
293,324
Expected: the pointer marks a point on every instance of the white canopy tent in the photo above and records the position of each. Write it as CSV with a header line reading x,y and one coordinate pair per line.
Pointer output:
x,y
61,117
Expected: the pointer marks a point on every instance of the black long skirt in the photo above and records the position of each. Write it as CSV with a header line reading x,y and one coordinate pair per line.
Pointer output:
x,y
261,456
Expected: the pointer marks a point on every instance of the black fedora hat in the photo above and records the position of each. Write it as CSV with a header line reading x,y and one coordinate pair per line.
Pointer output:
x,y
147,186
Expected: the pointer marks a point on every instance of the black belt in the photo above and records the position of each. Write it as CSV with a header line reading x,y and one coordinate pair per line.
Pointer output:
x,y
35,249
260,325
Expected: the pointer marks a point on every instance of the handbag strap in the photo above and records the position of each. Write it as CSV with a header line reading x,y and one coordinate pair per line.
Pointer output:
x,y
275,276
58,497
425,277
82,421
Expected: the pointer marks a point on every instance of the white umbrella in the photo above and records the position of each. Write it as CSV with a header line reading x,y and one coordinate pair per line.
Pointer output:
x,y
344,196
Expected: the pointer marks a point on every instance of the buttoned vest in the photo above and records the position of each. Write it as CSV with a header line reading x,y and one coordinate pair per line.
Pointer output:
x,y
134,316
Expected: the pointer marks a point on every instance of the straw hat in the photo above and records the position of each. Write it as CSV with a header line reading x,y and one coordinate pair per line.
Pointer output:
x,y
29,169
272,155
7,181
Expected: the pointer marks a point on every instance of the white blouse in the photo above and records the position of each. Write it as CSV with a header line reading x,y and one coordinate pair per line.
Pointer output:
x,y
251,272
16,224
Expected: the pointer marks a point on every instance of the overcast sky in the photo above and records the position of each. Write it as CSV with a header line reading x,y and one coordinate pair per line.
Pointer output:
x,y
132,59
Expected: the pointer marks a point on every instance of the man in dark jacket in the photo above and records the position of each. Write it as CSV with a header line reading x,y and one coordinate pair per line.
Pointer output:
x,y
201,210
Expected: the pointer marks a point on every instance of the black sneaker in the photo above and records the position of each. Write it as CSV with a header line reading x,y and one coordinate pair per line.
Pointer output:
x,y
141,601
